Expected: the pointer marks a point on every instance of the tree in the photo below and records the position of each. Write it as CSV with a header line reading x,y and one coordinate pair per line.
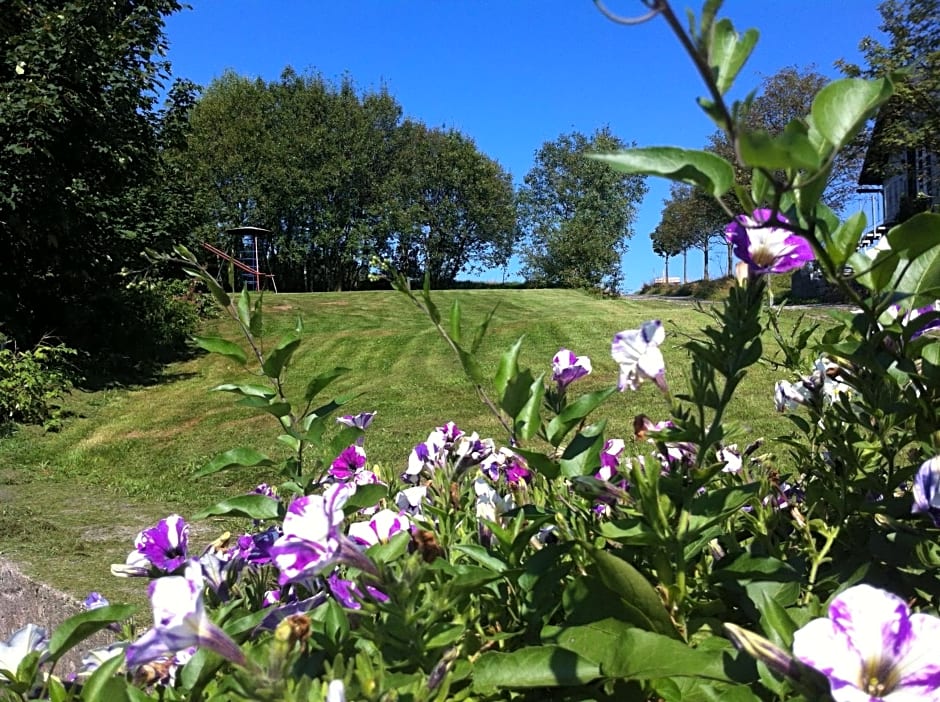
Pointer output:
x,y
305,158
784,96
911,118
577,213
690,219
78,140
454,206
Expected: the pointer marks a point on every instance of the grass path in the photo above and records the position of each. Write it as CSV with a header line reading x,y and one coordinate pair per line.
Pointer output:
x,y
71,502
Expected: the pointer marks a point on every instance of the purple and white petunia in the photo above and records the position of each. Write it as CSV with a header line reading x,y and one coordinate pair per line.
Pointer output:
x,y
411,500
764,247
610,459
871,647
382,527
731,457
23,642
506,464
359,421
350,460
165,545
566,368
180,621
926,490
637,352
933,309
311,538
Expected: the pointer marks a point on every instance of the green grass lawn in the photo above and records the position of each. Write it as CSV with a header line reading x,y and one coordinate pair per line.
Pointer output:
x,y
71,502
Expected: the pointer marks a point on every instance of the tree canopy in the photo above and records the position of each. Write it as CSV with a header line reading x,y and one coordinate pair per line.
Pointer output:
x,y
690,219
79,139
338,177
577,213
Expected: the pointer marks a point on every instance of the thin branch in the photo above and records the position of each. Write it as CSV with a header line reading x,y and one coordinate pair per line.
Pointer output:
x,y
656,6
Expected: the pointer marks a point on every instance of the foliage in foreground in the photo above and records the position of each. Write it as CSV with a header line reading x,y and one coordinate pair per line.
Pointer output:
x,y
557,562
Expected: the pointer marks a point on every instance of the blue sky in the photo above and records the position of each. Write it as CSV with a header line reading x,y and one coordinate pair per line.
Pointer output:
x,y
513,74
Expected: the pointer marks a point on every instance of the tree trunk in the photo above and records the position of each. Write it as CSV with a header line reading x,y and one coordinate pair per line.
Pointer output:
x,y
705,262
666,271
730,269
685,266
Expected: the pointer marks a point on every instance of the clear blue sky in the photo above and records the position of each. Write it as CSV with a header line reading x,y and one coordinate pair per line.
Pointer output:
x,y
513,74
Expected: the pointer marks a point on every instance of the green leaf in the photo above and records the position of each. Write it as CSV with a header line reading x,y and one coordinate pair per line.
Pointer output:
x,y
247,390
243,309
251,506
317,384
532,666
426,296
574,413
635,591
280,356
471,367
278,409
105,684
455,321
706,170
727,52
582,455
778,624
223,347
481,330
508,369
841,108
624,651
843,242
482,556
790,149
79,627
365,496
248,457
218,293
529,420
911,264
256,323
716,505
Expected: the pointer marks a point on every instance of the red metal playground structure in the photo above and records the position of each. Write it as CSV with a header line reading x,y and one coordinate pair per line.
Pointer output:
x,y
245,257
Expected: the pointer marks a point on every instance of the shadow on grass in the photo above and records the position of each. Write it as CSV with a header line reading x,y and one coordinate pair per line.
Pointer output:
x,y
112,371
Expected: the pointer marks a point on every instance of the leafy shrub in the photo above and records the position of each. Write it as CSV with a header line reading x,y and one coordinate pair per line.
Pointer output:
x,y
147,321
32,382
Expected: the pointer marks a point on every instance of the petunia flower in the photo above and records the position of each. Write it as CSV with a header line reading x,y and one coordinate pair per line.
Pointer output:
x,y
637,352
411,500
23,642
93,659
871,647
610,458
731,457
165,544
926,490
350,460
895,312
359,421
310,541
180,621
764,247
382,527
566,368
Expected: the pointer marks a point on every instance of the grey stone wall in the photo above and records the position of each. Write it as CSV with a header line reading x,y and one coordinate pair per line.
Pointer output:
x,y
25,601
